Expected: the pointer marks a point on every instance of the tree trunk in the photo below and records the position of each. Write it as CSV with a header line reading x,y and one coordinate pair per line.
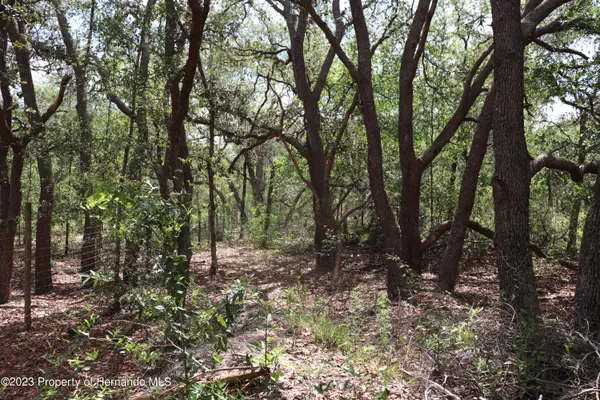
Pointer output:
x,y
199,224
43,233
383,209
573,227
256,176
574,216
243,215
8,226
17,32
269,206
132,251
587,293
292,210
512,170
409,217
88,245
67,228
466,198
211,197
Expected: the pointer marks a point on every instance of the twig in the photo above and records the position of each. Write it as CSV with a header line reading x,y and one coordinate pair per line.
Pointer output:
x,y
431,384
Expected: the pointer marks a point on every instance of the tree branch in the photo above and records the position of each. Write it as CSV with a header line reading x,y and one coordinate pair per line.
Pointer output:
x,y
554,49
124,108
339,135
575,170
475,226
357,76
348,213
59,99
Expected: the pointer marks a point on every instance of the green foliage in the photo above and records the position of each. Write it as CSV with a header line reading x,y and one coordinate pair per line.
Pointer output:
x,y
453,337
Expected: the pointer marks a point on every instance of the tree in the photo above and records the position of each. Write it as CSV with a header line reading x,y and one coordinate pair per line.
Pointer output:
x,y
91,225
175,174
466,199
14,27
408,245
511,177
587,293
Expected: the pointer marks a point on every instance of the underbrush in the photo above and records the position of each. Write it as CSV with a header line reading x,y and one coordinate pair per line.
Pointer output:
x,y
189,339
467,353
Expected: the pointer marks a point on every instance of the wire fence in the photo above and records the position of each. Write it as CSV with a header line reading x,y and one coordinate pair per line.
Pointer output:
x,y
99,253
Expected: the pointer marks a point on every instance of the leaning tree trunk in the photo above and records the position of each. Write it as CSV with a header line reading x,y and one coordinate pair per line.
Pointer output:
x,y
43,233
512,171
587,293
466,198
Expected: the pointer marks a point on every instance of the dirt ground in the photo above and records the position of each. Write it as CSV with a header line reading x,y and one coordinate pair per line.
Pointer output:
x,y
440,345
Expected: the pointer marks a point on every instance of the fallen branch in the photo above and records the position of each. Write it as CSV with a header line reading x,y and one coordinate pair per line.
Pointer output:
x,y
572,265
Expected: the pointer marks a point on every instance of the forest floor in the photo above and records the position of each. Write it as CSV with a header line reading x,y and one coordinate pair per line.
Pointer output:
x,y
334,343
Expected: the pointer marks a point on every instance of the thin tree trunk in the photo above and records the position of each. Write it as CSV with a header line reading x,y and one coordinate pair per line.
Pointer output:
x,y
243,215
67,228
512,170
466,198
199,225
269,206
587,293
211,197
88,246
383,209
43,234
573,227
27,266
292,210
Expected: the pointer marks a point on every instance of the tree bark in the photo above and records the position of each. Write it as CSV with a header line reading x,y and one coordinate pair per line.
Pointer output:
x,y
412,167
587,292
269,206
512,170
243,214
17,33
67,228
176,167
43,233
573,227
466,199
212,229
383,209
318,167
571,249
8,226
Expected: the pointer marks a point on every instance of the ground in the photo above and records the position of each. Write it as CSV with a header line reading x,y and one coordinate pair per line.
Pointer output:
x,y
335,342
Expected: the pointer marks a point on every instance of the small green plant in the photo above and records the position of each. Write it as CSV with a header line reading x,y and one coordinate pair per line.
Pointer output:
x,y
384,314
265,353
455,336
